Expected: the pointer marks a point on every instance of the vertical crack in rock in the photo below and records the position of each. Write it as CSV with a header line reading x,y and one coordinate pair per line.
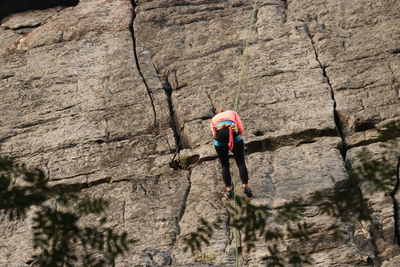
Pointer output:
x,y
231,240
391,72
212,103
372,261
254,22
338,123
108,97
393,81
182,208
272,183
285,10
131,29
46,165
107,131
375,260
228,230
396,204
174,124
144,189
123,211
228,236
339,127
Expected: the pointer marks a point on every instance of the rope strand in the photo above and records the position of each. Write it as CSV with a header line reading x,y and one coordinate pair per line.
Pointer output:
x,y
245,57
243,67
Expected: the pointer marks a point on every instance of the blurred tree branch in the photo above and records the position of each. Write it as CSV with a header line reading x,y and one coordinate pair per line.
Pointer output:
x,y
57,231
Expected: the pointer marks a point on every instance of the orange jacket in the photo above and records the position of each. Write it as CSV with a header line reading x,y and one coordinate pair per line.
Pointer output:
x,y
228,115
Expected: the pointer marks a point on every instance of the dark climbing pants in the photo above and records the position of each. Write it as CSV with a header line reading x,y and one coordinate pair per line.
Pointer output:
x,y
238,154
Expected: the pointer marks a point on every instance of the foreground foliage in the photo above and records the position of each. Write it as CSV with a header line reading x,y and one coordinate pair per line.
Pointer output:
x,y
59,239
346,203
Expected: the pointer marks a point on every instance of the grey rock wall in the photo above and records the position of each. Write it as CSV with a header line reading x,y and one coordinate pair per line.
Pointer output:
x,y
103,93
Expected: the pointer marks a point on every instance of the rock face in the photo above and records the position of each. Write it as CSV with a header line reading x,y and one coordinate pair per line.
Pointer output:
x,y
108,91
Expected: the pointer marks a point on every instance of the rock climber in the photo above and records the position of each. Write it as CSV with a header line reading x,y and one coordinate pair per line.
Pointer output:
x,y
227,129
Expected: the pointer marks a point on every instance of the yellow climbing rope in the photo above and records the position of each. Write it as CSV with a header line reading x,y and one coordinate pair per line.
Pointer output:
x,y
243,67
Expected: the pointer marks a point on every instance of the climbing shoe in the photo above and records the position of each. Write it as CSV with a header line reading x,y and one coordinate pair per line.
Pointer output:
x,y
229,193
247,191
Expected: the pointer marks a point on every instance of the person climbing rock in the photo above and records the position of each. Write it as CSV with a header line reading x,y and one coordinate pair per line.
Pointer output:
x,y
227,129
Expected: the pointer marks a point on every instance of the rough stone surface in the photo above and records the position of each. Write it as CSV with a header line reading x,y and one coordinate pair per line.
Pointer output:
x,y
206,71
104,93
29,19
15,247
205,188
382,204
356,44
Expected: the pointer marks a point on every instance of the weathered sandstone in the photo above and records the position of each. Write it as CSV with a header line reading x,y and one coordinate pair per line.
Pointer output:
x,y
104,93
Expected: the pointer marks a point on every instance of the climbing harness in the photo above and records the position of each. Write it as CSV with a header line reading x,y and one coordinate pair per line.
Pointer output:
x,y
222,123
243,66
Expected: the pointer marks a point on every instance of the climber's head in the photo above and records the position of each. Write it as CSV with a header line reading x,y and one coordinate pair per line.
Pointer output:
x,y
221,110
